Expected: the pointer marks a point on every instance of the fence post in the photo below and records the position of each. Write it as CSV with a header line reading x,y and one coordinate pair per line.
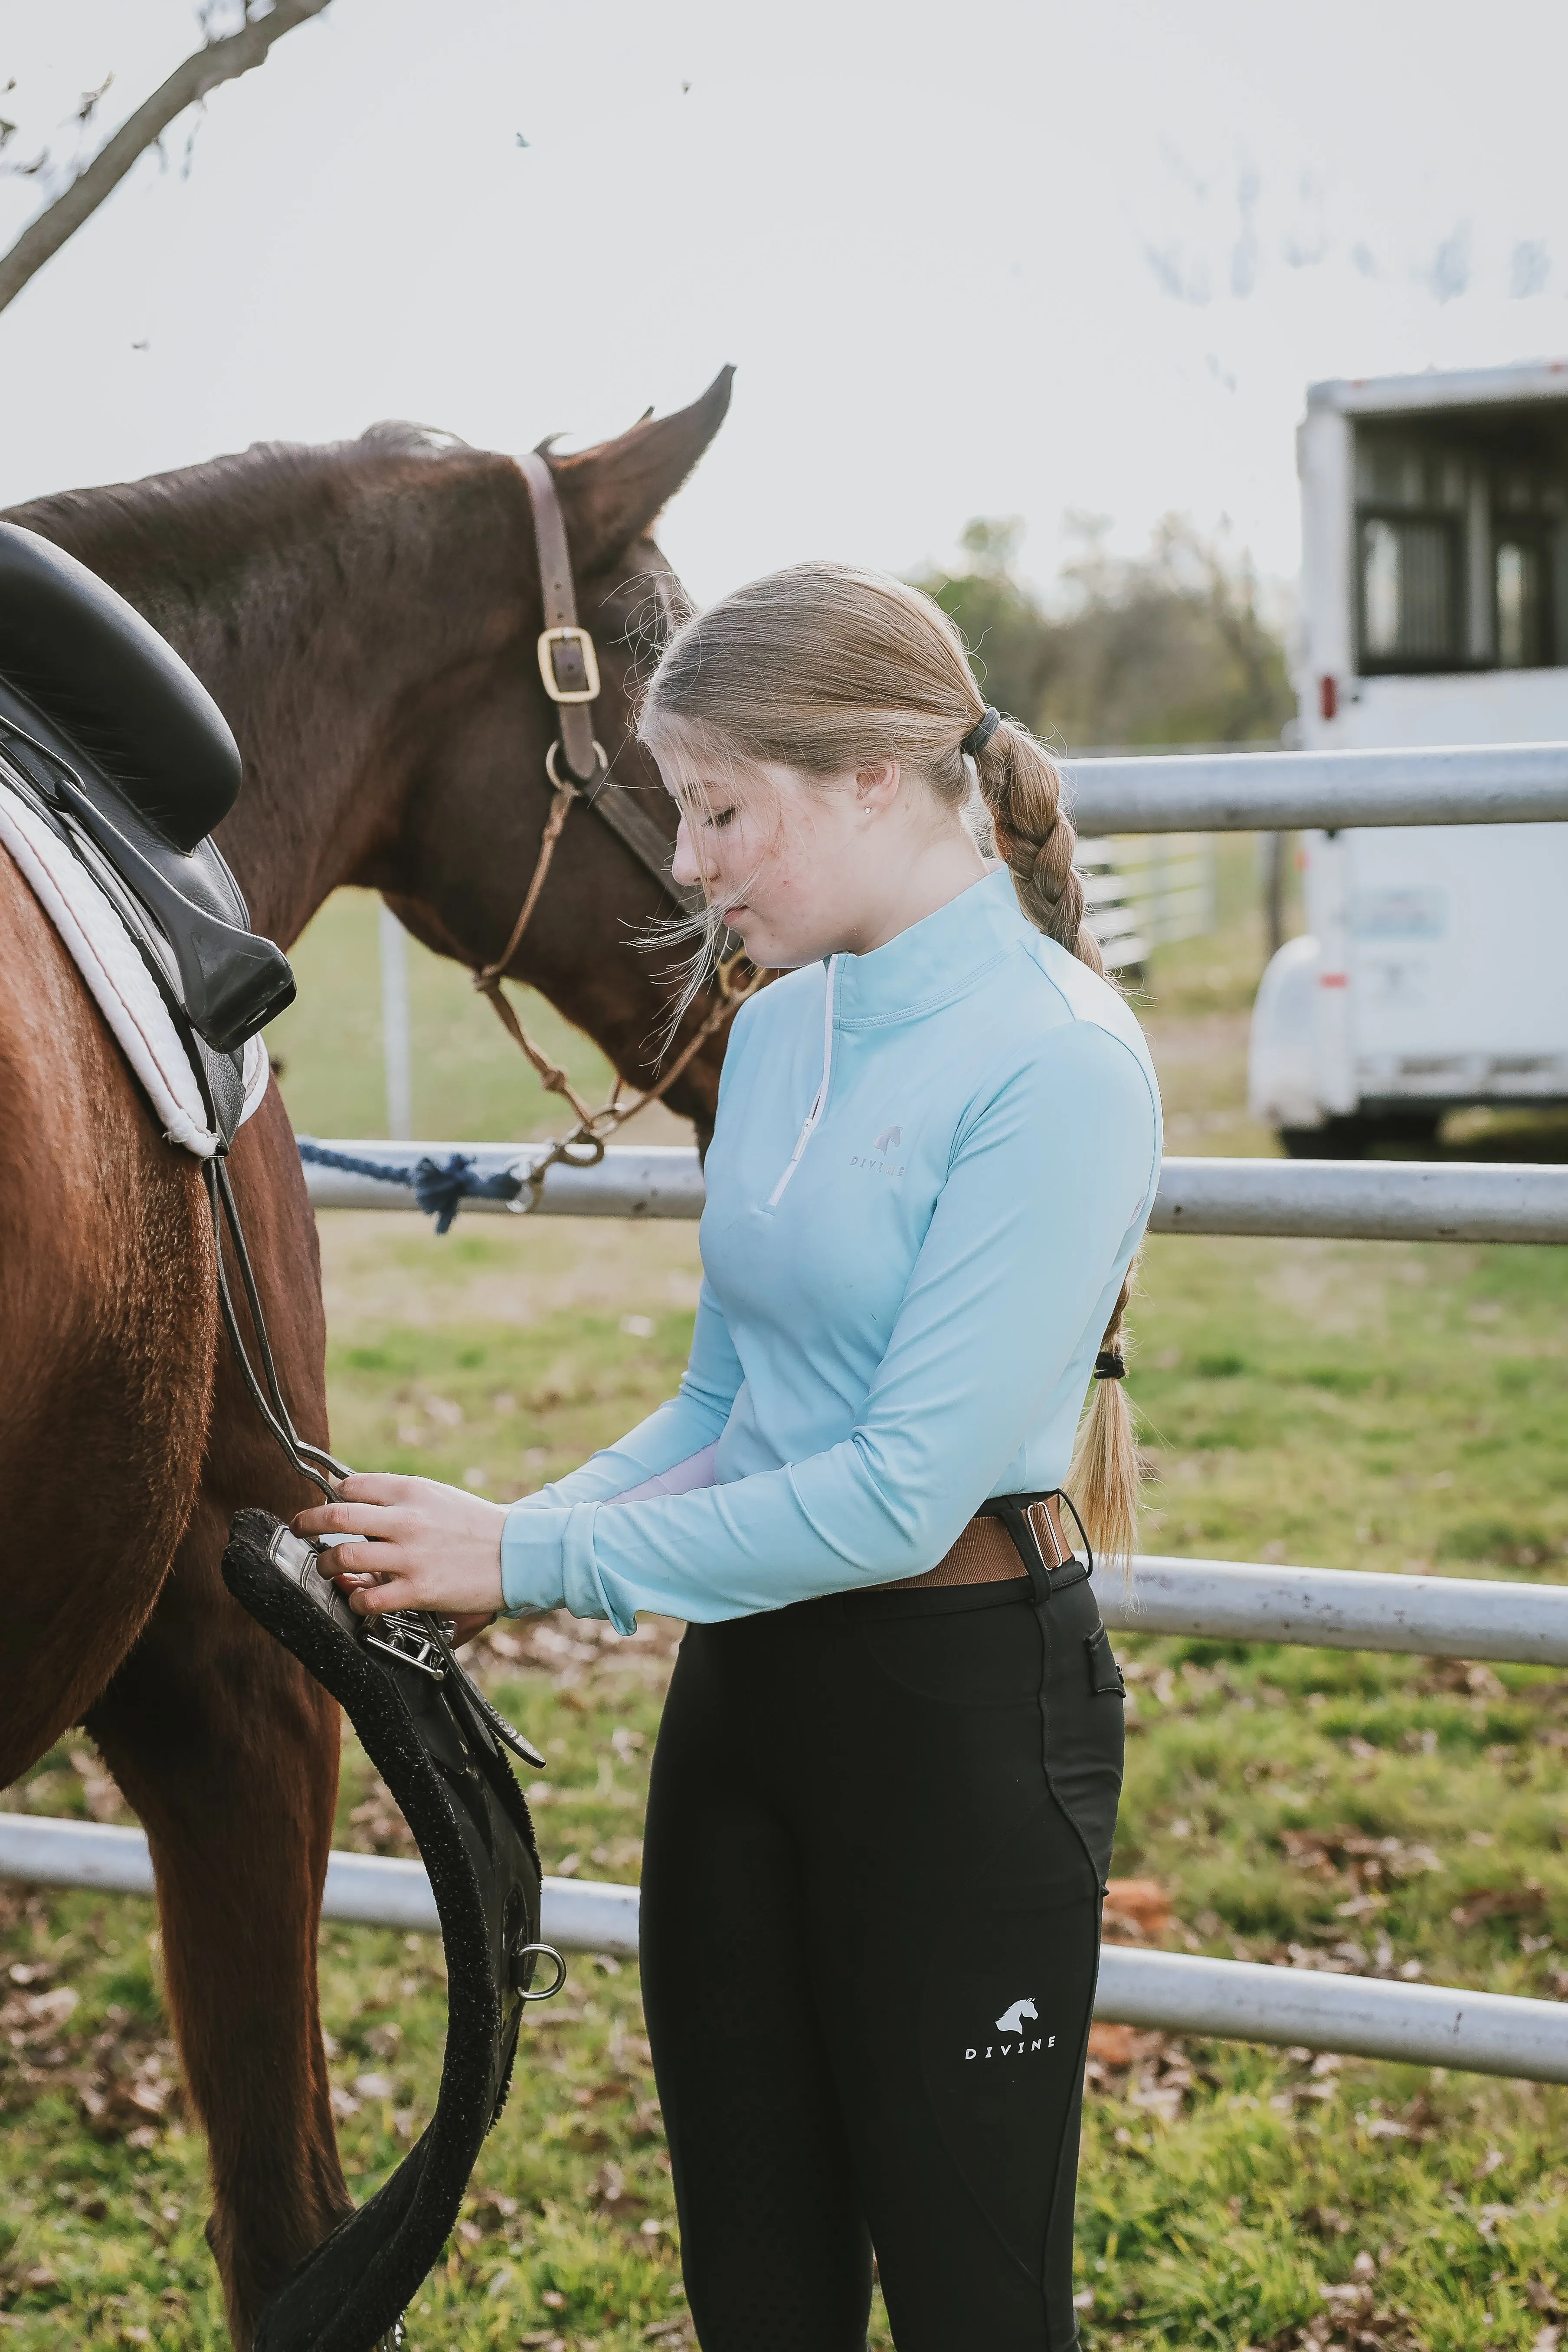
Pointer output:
x,y
1274,848
394,1023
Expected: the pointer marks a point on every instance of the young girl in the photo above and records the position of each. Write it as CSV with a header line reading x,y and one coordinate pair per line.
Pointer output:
x,y
886,1781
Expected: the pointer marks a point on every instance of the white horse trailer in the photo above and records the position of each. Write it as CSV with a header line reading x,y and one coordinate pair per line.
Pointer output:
x,y
1433,972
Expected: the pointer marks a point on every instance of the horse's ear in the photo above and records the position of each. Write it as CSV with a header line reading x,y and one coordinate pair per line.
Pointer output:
x,y
612,493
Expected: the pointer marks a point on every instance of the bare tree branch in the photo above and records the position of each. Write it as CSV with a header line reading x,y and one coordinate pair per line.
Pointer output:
x,y
215,62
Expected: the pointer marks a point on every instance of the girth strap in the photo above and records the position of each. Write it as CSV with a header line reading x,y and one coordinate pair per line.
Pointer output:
x,y
433,1738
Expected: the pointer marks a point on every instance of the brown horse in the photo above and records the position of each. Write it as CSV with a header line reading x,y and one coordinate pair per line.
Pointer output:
x,y
365,616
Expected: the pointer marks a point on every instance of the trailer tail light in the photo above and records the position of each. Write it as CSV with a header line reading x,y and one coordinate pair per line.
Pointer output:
x,y
1329,697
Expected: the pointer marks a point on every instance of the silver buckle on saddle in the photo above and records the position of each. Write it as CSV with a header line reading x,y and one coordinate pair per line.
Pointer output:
x,y
401,1637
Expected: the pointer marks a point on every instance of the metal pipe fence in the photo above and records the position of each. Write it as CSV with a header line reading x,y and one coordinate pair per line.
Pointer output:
x,y
368,1890
1233,2001
1337,1199
1287,792
1340,1609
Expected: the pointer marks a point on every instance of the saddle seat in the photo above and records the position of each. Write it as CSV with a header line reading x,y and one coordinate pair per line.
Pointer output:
x,y
111,738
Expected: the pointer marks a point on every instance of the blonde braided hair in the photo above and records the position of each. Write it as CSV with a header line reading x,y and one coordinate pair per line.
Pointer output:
x,y
1021,787
824,668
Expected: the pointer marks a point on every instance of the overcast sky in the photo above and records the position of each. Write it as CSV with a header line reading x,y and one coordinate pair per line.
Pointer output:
x,y
1003,257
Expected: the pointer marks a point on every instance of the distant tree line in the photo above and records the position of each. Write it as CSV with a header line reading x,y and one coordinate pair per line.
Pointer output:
x,y
1167,648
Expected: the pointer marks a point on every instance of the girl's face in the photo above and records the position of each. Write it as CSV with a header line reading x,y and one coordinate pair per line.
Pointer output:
x,y
806,867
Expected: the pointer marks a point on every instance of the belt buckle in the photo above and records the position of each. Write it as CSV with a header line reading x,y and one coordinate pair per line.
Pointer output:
x,y
568,665
1060,1558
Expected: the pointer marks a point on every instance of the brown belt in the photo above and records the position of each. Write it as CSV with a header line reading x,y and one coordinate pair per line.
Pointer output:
x,y
985,1553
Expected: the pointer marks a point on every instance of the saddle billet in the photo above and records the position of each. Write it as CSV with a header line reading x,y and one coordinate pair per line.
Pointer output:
x,y
126,755
435,1742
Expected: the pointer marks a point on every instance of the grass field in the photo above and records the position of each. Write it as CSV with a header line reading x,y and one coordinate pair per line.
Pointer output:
x,y
1350,1405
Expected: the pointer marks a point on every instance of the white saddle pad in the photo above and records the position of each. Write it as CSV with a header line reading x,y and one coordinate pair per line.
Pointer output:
x,y
101,948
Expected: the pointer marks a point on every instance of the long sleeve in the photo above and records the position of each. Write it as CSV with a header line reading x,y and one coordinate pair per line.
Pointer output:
x,y
1047,1188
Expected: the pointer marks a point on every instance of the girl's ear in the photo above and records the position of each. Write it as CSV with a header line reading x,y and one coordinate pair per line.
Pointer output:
x,y
877,785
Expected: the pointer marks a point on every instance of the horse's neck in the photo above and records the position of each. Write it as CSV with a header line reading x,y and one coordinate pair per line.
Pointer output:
x,y
320,615
310,682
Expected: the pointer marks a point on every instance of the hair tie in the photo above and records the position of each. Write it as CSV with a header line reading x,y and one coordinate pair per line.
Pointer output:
x,y
980,734
1109,1365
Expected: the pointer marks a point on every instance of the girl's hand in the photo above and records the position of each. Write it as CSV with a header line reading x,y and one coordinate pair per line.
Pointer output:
x,y
419,1546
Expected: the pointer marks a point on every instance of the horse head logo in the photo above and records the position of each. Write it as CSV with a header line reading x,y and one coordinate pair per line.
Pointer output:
x,y
1012,2020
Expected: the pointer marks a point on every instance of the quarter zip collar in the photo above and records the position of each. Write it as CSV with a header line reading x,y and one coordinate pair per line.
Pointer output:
x,y
819,1100
935,959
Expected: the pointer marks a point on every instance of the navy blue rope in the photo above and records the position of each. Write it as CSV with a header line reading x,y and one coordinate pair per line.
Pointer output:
x,y
439,1188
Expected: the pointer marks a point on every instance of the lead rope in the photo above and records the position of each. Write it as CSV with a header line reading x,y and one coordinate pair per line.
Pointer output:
x,y
585,1146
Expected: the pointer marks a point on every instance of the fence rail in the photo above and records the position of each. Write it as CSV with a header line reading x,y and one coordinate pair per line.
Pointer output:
x,y
1146,891
1364,2017
1341,1608
1234,2001
1338,1200
1273,792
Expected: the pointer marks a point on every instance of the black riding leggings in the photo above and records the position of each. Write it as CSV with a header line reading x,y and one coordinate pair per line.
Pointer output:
x,y
878,1835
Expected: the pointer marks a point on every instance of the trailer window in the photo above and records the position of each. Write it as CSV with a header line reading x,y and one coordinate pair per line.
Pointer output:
x,y
1462,540
1522,636
1409,607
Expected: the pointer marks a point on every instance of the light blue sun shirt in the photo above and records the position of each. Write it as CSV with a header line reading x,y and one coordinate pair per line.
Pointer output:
x,y
930,1168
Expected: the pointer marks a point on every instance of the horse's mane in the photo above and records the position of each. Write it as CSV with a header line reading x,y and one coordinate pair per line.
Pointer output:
x,y
189,522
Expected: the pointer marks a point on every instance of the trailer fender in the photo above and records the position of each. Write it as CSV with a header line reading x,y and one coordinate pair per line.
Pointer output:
x,y
1283,1050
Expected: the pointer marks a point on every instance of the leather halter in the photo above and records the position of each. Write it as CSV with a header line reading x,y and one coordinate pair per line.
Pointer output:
x,y
569,665
577,769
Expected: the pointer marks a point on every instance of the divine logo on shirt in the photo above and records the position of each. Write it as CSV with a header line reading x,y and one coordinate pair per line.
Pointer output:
x,y
880,1159
1018,2044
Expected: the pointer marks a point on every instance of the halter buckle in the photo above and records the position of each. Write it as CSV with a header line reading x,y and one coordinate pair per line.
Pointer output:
x,y
568,665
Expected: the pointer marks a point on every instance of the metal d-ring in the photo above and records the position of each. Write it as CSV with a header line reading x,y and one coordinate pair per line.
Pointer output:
x,y
521,1953
581,785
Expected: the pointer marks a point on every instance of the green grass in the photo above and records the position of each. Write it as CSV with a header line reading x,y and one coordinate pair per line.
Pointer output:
x,y
503,1410
1381,1406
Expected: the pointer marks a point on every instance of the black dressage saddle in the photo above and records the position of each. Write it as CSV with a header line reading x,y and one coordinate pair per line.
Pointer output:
x,y
122,749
